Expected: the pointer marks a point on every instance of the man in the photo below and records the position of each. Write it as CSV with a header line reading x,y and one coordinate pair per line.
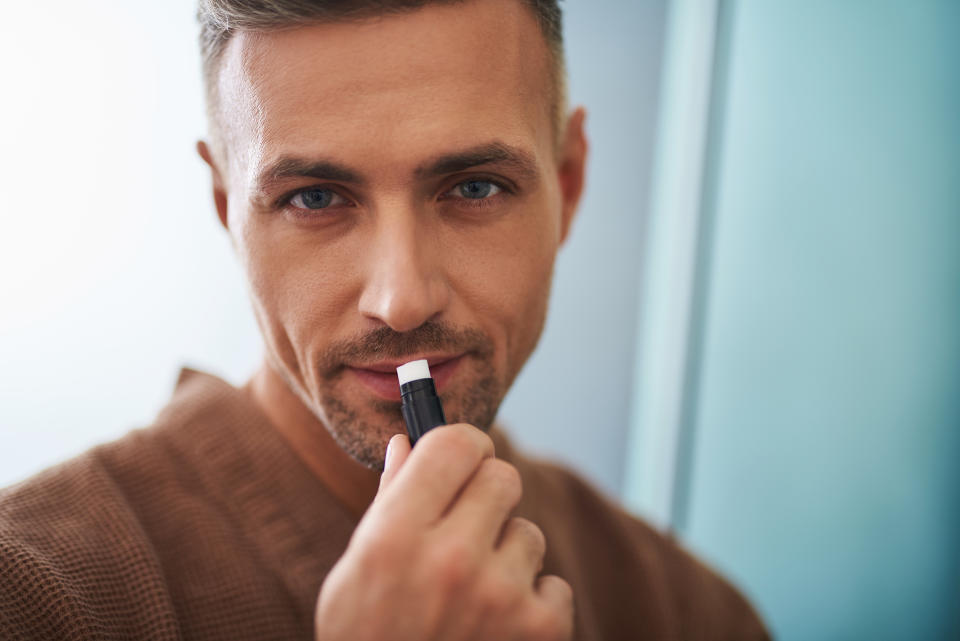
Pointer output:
x,y
396,178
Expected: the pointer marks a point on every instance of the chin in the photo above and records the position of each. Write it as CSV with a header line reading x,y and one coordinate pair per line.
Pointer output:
x,y
363,432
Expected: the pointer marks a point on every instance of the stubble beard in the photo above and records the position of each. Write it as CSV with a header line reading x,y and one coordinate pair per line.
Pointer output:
x,y
362,431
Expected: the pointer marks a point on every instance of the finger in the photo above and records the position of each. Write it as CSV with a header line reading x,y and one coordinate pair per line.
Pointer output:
x,y
444,459
398,449
485,502
521,549
557,595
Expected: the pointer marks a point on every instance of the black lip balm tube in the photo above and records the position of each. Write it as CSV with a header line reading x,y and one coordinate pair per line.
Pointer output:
x,y
419,403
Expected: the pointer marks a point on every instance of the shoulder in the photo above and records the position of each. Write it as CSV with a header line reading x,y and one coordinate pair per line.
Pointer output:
x,y
72,554
627,574
135,538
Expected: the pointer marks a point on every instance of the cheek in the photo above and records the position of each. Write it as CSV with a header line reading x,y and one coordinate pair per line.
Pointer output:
x,y
299,286
504,276
528,302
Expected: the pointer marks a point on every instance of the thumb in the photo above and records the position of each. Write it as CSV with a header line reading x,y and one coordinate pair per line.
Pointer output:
x,y
397,451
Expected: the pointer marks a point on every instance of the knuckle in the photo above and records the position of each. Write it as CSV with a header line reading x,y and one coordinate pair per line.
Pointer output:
x,y
504,477
566,591
526,536
381,530
496,593
529,530
454,565
378,552
545,624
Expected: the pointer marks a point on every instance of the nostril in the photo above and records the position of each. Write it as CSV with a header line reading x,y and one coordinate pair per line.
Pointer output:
x,y
403,301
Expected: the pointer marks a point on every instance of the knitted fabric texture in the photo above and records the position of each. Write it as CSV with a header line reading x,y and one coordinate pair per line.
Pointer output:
x,y
207,526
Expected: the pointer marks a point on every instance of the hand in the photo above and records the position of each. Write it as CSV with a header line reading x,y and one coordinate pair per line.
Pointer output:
x,y
437,555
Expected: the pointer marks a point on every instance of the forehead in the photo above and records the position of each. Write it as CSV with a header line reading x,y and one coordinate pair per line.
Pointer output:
x,y
391,89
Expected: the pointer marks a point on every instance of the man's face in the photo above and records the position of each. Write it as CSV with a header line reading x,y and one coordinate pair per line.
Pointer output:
x,y
394,192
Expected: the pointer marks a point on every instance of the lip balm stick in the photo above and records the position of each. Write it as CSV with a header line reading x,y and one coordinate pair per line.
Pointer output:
x,y
419,404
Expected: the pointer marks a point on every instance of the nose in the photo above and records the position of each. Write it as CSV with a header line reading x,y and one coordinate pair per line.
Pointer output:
x,y
405,284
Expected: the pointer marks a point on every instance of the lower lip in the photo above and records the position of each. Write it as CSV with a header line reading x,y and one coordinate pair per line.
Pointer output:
x,y
386,386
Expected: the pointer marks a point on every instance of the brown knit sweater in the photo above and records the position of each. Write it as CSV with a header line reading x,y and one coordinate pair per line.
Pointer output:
x,y
207,526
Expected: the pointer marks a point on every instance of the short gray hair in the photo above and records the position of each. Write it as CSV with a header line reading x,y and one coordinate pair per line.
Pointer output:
x,y
220,19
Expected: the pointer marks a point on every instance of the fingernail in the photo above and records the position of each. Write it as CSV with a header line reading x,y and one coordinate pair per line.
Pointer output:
x,y
386,462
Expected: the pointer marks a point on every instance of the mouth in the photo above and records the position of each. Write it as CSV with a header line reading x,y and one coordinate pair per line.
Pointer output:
x,y
380,378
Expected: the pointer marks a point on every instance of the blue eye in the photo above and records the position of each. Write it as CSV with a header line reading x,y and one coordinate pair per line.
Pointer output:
x,y
314,199
477,189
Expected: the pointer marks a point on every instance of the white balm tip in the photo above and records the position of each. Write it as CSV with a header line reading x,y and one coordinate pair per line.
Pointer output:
x,y
413,371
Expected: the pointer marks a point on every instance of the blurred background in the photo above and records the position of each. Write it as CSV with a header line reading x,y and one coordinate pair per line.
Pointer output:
x,y
763,283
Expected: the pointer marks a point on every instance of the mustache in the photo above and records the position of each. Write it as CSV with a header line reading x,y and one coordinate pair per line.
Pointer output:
x,y
384,342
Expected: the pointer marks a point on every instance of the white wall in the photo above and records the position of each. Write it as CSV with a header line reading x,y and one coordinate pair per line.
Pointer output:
x,y
114,271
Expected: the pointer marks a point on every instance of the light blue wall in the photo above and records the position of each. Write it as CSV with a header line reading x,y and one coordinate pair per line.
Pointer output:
x,y
614,56
825,396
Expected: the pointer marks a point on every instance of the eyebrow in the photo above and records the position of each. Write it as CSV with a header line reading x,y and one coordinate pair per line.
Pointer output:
x,y
294,167
493,153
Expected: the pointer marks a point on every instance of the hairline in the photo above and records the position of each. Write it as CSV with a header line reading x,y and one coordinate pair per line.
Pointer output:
x,y
212,61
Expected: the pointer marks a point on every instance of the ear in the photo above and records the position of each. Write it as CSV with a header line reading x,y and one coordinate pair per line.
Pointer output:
x,y
572,168
219,187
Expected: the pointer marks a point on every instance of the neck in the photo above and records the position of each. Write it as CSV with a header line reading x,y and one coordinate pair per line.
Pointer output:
x,y
353,484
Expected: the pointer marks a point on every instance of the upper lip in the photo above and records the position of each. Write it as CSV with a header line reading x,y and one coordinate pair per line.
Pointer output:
x,y
390,367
